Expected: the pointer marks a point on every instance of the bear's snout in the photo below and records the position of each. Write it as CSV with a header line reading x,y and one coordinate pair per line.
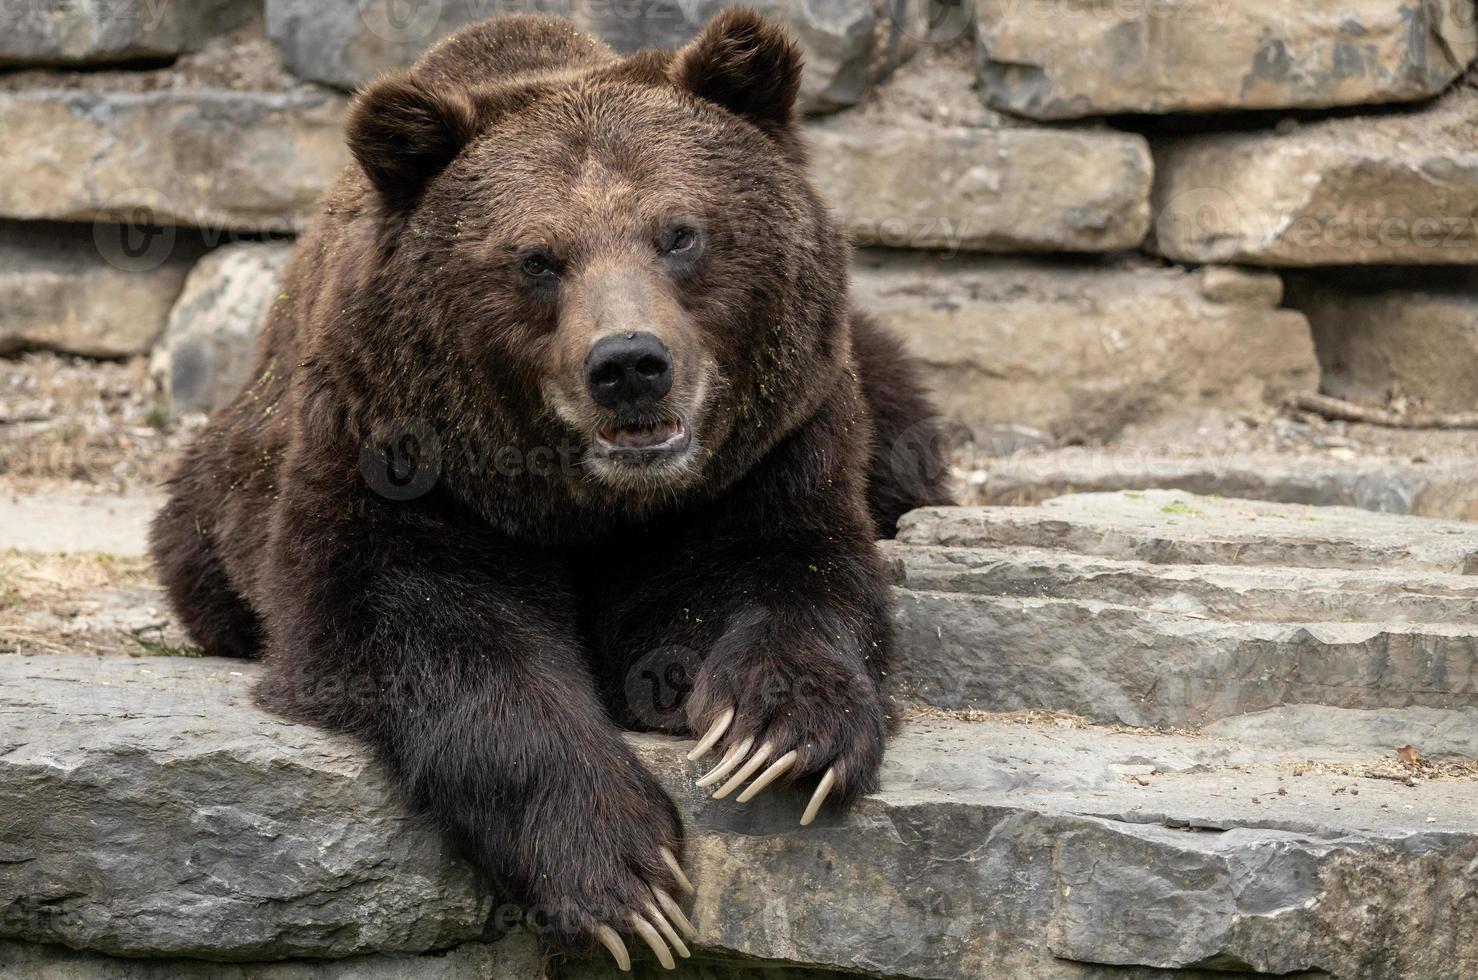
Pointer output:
x,y
628,373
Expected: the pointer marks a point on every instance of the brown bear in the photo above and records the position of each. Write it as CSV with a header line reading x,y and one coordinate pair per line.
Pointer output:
x,y
563,404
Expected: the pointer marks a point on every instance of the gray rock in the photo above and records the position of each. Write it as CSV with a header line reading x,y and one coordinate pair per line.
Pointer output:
x,y
82,32
1162,608
67,288
151,810
1411,339
205,354
1081,350
1116,663
1174,527
346,43
1063,59
1445,486
1301,195
164,149
514,959
1435,733
986,190
1245,593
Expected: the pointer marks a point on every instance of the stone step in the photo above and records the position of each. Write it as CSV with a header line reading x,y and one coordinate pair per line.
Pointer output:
x,y
1251,593
1118,663
999,846
1174,527
1446,486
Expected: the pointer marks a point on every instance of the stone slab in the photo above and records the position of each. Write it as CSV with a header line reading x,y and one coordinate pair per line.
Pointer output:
x,y
1174,527
84,32
1083,350
348,42
151,810
1124,664
1397,188
210,157
64,288
1226,592
1064,59
983,189
1395,339
1443,487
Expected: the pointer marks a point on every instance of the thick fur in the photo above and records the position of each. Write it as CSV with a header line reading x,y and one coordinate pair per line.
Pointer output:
x,y
367,515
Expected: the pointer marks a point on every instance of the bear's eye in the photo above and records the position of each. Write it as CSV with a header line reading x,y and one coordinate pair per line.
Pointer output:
x,y
679,240
538,266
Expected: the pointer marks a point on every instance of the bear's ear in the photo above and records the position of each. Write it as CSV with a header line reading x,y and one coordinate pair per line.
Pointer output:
x,y
746,64
403,132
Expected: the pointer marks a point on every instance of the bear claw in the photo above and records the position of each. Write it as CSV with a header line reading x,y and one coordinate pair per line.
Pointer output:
x,y
675,913
714,734
669,933
749,768
677,871
727,764
649,935
612,942
823,789
777,769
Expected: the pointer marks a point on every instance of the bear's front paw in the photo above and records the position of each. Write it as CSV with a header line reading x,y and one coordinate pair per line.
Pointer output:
x,y
790,718
596,872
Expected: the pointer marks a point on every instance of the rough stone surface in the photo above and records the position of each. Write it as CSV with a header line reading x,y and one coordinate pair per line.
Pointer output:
x,y
205,354
1081,350
347,42
1245,593
169,154
473,961
1173,527
990,190
63,523
1446,487
151,809
82,32
1411,340
1162,608
1063,59
1398,188
1123,664
62,287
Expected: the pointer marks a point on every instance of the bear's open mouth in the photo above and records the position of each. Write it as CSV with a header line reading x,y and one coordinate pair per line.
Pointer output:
x,y
641,441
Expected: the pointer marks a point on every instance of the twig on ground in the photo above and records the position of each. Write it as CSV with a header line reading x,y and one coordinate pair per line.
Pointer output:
x,y
1338,408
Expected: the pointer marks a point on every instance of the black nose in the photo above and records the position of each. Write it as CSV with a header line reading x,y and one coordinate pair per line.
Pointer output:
x,y
628,371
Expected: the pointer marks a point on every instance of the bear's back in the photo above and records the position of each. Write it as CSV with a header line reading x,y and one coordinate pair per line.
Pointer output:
x,y
520,45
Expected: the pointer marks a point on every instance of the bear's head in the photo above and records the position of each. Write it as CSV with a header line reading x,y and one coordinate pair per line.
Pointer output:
x,y
622,259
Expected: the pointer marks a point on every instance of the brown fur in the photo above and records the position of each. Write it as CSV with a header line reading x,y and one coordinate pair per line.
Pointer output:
x,y
402,513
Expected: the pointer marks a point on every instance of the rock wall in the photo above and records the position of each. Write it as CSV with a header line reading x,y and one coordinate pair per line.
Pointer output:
x,y
1104,139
